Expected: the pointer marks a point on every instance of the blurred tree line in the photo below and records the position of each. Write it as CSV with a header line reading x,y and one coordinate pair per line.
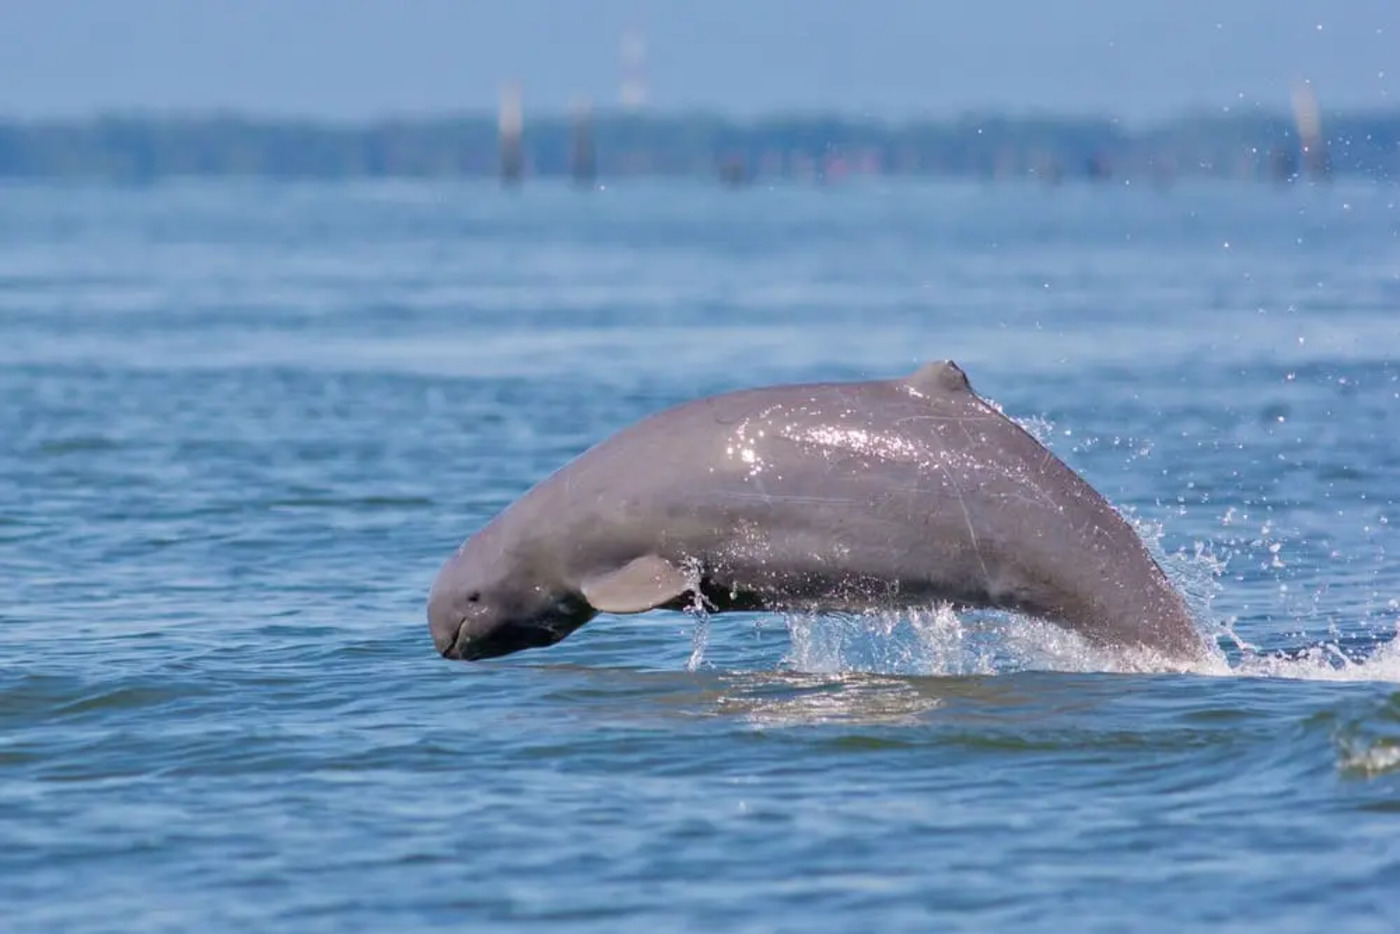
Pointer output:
x,y
144,147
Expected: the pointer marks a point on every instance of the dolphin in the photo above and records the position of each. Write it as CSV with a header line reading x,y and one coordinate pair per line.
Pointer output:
x,y
835,497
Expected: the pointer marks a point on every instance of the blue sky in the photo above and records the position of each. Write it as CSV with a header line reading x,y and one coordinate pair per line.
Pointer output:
x,y
359,58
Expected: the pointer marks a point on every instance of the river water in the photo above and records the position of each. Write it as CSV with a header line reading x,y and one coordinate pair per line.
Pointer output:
x,y
244,423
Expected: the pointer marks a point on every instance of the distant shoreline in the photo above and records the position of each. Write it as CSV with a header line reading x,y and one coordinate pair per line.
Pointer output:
x,y
1248,145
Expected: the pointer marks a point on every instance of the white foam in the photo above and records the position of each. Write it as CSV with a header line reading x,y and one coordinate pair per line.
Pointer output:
x,y
1368,760
942,642
1322,662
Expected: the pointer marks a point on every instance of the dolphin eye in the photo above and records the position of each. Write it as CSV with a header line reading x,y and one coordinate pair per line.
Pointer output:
x,y
474,597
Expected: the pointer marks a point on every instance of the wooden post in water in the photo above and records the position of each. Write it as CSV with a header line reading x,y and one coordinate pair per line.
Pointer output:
x,y
511,125
1308,119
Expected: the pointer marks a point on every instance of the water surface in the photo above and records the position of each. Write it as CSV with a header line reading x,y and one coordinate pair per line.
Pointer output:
x,y
245,423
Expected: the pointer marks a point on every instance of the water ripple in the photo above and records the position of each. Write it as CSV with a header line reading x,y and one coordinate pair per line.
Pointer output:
x,y
246,423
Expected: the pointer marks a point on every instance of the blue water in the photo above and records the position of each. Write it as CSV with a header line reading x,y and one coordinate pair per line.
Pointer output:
x,y
243,425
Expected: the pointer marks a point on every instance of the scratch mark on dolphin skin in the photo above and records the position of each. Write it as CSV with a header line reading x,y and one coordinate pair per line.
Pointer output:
x,y
967,517
1024,487
795,498
972,442
944,418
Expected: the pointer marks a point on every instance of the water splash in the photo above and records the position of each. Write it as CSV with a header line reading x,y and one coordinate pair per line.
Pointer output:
x,y
915,642
699,639
699,609
943,642
1038,427
1198,573
1374,659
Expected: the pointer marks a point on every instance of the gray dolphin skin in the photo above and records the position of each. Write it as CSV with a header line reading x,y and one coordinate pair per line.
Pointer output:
x,y
838,497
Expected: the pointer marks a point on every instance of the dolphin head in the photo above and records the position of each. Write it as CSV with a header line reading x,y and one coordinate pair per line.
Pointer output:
x,y
485,602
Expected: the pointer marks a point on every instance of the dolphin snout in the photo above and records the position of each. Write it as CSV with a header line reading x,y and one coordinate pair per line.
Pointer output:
x,y
468,636
503,640
445,620
448,640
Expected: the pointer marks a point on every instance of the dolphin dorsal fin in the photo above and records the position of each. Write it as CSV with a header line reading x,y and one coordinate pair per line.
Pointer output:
x,y
939,377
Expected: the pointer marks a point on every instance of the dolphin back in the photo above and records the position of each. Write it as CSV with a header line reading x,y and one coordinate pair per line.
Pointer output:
x,y
839,496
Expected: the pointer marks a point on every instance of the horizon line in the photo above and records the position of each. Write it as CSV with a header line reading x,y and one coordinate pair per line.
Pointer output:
x,y
695,113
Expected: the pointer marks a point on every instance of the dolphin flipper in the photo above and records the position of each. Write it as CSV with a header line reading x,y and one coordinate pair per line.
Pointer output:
x,y
641,584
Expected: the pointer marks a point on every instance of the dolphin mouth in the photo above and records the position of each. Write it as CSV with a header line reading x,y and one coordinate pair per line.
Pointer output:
x,y
505,640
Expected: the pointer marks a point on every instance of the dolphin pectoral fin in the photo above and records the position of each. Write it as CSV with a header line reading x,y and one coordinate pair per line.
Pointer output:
x,y
641,584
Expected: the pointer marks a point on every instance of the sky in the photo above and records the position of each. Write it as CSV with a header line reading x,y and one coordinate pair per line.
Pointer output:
x,y
354,59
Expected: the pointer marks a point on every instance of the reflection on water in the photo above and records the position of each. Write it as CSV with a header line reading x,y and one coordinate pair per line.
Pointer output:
x,y
796,700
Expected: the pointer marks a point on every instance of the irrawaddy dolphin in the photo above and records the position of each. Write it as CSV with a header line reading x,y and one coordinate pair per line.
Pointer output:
x,y
840,497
